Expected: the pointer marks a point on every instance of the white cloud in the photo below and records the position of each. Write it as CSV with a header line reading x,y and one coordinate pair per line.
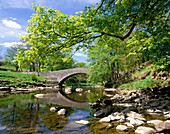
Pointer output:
x,y
10,44
13,18
2,36
11,24
80,54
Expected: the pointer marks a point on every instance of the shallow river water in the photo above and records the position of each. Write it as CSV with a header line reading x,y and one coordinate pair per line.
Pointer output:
x,y
23,113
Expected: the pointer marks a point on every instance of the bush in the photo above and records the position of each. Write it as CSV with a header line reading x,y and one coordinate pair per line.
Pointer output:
x,y
34,77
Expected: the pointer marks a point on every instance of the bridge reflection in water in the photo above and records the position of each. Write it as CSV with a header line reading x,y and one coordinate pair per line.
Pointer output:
x,y
59,99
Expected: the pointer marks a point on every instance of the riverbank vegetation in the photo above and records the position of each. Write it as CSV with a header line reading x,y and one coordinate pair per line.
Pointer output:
x,y
118,36
14,79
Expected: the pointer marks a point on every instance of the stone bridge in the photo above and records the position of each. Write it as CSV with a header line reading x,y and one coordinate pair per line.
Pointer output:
x,y
58,77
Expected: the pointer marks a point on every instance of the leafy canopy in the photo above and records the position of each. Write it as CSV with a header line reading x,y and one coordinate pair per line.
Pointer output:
x,y
50,30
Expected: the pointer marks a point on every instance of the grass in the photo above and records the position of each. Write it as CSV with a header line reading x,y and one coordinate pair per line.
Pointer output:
x,y
8,67
141,73
136,85
142,79
19,78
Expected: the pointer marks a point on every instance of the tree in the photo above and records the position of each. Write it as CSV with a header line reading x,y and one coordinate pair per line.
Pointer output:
x,y
146,19
12,52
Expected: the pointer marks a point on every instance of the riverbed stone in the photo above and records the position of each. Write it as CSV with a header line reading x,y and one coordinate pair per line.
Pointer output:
x,y
128,109
110,89
78,89
167,116
53,109
103,112
121,128
167,125
135,115
158,124
145,130
83,122
68,90
129,124
135,122
39,95
104,120
62,112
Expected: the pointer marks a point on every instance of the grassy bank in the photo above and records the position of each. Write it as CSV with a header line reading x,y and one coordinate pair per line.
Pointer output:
x,y
146,77
18,78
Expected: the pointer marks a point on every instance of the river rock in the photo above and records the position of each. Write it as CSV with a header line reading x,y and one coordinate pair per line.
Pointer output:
x,y
39,95
121,128
96,104
158,124
78,89
103,112
167,116
167,125
128,109
135,115
110,89
145,130
129,124
53,109
104,120
135,122
107,102
83,122
62,112
68,90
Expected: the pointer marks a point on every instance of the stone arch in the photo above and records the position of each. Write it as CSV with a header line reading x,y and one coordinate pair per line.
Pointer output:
x,y
60,75
68,76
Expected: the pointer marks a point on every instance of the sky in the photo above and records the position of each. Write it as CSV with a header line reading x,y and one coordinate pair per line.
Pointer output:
x,y
14,15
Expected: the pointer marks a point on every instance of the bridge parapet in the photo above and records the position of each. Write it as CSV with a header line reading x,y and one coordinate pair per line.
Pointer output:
x,y
59,76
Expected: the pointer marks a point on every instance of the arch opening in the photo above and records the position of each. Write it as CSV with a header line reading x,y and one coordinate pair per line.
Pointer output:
x,y
73,79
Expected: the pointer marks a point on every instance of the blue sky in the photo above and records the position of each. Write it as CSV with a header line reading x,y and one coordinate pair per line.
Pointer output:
x,y
14,15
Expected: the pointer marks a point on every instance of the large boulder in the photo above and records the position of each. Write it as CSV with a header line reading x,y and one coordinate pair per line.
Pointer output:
x,y
104,112
158,124
145,130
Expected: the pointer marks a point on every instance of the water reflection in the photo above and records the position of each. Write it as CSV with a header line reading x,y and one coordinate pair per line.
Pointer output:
x,y
34,116
30,118
59,99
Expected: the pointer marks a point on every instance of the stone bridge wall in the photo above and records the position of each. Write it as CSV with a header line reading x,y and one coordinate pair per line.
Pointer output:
x,y
59,76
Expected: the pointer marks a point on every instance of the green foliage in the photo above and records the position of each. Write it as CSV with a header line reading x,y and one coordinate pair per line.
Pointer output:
x,y
120,35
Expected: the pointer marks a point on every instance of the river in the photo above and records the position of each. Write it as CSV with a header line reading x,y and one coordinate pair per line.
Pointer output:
x,y
23,113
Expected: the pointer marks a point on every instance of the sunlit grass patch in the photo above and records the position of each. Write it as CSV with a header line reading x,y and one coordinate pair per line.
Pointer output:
x,y
136,85
19,77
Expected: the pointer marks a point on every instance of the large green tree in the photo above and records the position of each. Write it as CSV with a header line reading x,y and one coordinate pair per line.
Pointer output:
x,y
141,23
